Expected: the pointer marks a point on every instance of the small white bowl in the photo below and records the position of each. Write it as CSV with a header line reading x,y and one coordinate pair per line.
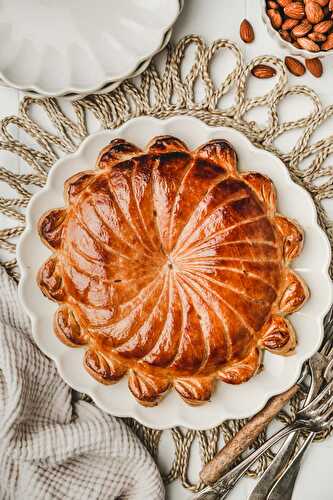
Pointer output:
x,y
274,34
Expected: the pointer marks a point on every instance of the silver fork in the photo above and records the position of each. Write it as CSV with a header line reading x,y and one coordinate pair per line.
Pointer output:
x,y
315,417
278,481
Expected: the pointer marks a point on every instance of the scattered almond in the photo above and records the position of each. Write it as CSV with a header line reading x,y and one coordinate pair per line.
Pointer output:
x,y
263,71
289,24
308,44
295,10
272,5
323,26
302,29
317,37
314,12
314,66
295,67
275,17
246,31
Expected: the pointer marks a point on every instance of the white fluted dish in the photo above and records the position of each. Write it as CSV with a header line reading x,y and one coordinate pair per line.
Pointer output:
x,y
54,48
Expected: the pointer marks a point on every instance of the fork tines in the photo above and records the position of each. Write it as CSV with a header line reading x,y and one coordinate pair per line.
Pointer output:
x,y
321,406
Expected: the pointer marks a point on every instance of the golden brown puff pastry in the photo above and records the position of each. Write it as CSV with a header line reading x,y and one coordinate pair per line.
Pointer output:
x,y
172,266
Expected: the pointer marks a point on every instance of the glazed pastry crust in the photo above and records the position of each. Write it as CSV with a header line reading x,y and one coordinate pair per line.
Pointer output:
x,y
173,266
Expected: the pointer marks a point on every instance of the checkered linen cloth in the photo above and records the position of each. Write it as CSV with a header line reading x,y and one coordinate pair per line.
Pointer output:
x,y
51,448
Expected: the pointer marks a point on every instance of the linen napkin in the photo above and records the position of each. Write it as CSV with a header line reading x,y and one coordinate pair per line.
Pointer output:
x,y
50,447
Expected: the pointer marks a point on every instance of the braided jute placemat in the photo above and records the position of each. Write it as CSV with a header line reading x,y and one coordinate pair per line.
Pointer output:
x,y
164,91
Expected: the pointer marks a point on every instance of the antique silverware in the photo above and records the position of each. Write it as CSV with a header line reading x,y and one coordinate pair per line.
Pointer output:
x,y
315,417
278,481
284,486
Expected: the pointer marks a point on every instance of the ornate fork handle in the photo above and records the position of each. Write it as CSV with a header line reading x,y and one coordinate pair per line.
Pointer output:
x,y
223,486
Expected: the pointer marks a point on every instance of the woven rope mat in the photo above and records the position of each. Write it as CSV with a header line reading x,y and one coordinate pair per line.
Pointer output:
x,y
164,91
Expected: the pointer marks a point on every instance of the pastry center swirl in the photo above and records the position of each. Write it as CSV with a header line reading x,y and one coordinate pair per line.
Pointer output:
x,y
171,269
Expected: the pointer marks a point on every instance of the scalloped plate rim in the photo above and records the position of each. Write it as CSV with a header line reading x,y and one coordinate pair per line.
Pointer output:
x,y
184,415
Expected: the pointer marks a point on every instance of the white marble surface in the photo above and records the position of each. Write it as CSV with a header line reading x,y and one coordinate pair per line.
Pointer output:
x,y
220,19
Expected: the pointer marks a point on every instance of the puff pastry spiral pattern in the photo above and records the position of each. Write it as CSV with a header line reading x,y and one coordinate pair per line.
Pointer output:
x,y
171,266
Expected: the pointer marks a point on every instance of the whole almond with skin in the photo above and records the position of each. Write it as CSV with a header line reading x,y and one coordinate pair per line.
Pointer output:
x,y
289,24
302,29
317,37
295,10
272,5
275,17
322,3
246,31
314,66
283,3
285,35
328,45
263,71
323,26
308,44
295,67
314,12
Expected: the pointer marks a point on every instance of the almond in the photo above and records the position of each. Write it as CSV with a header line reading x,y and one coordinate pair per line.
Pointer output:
x,y
275,17
289,24
302,29
272,5
314,66
285,35
283,3
317,37
314,12
295,67
295,10
308,44
322,3
263,71
297,45
328,45
323,26
246,31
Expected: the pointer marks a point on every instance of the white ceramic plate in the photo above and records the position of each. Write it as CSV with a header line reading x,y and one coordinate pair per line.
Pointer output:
x,y
228,401
56,47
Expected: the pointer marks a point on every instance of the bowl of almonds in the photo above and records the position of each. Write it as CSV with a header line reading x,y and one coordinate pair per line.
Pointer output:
x,y
304,27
